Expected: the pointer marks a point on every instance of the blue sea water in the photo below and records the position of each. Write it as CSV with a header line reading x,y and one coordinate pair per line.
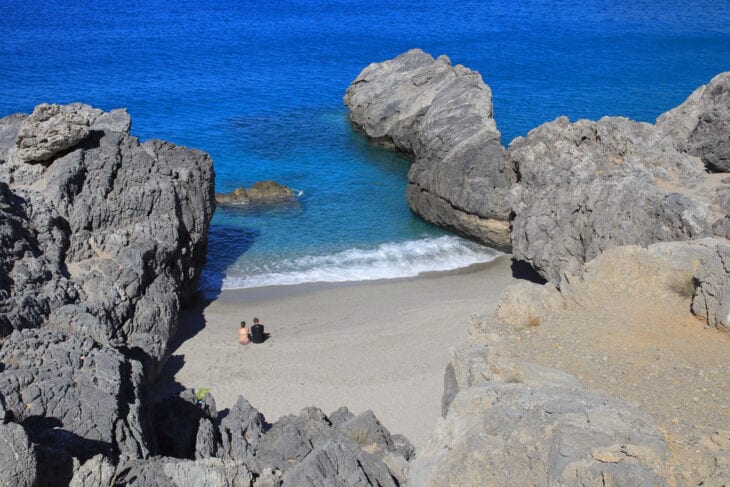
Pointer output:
x,y
259,85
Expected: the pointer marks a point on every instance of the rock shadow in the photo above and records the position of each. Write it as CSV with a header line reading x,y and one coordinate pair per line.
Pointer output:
x,y
525,271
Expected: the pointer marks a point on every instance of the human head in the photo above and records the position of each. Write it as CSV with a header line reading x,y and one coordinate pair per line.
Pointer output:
x,y
255,321
243,324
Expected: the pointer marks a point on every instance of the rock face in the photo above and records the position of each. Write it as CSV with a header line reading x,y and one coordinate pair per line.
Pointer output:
x,y
440,116
514,423
701,125
262,192
564,193
585,187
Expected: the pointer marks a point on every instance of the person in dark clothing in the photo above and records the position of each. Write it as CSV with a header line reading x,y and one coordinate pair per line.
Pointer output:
x,y
257,332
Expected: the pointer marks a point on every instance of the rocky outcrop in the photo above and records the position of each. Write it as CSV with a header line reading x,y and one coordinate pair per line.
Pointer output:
x,y
440,116
510,422
261,193
586,187
700,126
564,193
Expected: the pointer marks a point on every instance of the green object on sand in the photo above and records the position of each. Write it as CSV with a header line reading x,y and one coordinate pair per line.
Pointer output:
x,y
201,393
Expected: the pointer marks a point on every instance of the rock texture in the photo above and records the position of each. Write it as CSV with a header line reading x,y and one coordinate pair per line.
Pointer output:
x,y
440,116
586,187
564,193
262,192
701,125
514,423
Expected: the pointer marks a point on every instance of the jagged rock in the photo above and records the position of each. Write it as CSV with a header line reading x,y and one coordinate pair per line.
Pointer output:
x,y
369,433
176,422
700,126
172,472
241,432
116,228
52,129
18,464
74,397
95,472
515,423
585,187
440,116
206,440
340,416
262,192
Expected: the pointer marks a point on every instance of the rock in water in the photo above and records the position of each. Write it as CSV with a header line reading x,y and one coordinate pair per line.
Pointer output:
x,y
262,192
440,116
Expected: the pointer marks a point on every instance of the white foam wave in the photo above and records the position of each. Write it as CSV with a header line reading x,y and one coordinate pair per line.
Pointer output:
x,y
387,261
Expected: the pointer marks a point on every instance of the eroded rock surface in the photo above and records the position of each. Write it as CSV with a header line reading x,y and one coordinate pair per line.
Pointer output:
x,y
440,116
261,193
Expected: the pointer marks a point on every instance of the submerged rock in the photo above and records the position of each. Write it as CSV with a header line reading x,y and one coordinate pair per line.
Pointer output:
x,y
440,116
262,192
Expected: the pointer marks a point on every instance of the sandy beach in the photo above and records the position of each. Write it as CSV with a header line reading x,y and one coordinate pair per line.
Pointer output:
x,y
370,345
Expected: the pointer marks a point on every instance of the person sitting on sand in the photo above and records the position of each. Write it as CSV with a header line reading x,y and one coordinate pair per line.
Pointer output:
x,y
243,337
257,332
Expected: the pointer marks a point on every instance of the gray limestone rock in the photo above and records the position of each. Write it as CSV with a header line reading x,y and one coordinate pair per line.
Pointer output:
x,y
18,463
173,472
52,129
585,187
515,423
95,472
440,116
701,125
241,430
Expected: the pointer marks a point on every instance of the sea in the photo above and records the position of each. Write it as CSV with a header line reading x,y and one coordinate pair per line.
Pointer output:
x,y
259,85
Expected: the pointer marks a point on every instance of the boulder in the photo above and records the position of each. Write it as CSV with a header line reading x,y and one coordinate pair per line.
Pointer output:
x,y
261,193
515,423
701,125
53,129
173,472
440,116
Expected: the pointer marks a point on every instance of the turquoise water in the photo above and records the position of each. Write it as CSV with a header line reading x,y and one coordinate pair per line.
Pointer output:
x,y
258,85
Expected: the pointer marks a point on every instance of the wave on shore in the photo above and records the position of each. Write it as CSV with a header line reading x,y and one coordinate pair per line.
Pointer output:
x,y
387,261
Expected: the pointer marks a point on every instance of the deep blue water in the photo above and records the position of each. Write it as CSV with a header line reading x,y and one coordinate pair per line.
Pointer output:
x,y
259,86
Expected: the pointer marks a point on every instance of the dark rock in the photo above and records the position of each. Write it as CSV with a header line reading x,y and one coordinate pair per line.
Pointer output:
x,y
440,116
701,125
262,192
176,421
18,463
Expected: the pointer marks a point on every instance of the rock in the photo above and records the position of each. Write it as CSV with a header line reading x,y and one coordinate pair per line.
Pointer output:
x,y
524,304
95,472
440,116
701,124
73,395
241,432
176,422
53,129
365,430
18,464
340,416
116,228
206,440
586,187
515,423
172,472
262,192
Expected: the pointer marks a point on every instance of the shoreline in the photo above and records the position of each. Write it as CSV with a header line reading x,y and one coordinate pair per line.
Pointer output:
x,y
381,345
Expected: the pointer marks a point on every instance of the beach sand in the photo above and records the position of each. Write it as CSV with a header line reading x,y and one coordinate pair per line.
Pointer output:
x,y
379,345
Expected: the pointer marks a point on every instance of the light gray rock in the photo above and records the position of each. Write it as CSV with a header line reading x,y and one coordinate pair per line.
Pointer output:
x,y
95,472
52,129
18,463
700,126
440,116
241,432
172,472
515,423
585,187
205,440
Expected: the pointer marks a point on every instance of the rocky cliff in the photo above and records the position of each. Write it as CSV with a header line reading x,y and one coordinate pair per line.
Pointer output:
x,y
564,193
102,240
